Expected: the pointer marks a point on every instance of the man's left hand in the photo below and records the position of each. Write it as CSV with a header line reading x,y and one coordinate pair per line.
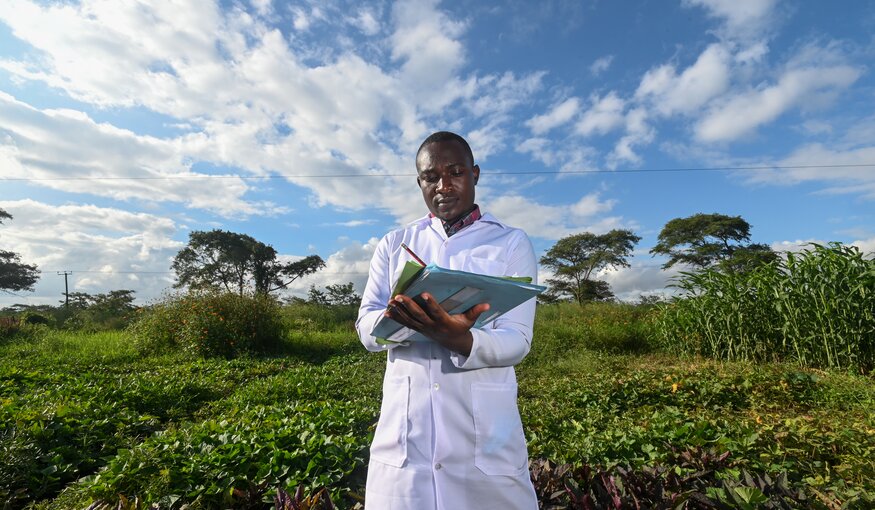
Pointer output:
x,y
451,331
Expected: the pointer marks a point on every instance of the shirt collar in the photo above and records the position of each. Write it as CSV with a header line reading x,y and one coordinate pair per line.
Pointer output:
x,y
467,219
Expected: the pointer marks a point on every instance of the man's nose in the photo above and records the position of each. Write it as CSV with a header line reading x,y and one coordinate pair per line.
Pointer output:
x,y
444,184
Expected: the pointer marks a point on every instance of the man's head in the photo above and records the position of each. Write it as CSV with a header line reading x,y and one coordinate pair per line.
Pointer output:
x,y
446,175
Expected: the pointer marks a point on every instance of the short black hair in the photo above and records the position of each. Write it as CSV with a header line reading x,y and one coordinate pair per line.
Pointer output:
x,y
447,136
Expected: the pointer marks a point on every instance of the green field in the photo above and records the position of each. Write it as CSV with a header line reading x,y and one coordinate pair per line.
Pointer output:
x,y
85,417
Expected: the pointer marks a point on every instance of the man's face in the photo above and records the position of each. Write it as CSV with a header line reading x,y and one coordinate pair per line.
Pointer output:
x,y
446,177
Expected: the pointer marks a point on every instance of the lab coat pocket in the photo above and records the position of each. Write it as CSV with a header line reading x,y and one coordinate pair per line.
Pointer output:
x,y
390,439
499,443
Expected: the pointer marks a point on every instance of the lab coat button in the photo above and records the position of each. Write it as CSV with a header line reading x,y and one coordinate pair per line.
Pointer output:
x,y
438,466
436,386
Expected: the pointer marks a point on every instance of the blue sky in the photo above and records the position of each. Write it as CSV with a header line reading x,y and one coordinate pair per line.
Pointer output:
x,y
124,126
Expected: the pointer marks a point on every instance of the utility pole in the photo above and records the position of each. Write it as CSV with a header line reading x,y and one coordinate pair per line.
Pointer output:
x,y
66,288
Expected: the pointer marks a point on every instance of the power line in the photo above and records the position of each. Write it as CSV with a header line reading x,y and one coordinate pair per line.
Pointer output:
x,y
636,266
346,176
172,272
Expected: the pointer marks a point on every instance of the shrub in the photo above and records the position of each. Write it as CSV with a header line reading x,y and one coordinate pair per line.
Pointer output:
x,y
37,318
312,317
9,327
608,327
210,324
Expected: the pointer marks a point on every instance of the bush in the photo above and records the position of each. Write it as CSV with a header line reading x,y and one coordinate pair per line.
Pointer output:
x,y
37,318
9,327
608,327
315,317
210,324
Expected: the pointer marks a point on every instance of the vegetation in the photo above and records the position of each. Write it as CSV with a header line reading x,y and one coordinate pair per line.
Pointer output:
x,y
707,240
88,418
14,274
210,324
816,309
575,258
233,262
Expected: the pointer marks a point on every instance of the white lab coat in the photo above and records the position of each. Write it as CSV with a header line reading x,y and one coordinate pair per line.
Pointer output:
x,y
449,435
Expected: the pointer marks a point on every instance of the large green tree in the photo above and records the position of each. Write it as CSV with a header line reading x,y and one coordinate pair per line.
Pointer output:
x,y
575,258
706,240
236,263
15,275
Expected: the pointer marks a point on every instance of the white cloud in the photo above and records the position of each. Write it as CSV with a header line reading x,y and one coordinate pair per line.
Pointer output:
x,y
836,174
555,221
425,41
630,283
559,114
355,223
252,103
349,264
64,144
671,93
867,246
638,132
605,115
601,65
106,248
743,19
742,113
367,22
300,19
569,157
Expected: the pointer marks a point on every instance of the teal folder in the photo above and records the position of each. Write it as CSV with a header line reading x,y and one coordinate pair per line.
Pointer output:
x,y
456,291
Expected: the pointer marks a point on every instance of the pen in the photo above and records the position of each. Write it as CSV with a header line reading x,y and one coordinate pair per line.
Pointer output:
x,y
407,248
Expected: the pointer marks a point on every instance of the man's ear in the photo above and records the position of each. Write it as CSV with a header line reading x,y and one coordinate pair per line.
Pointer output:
x,y
476,171
417,182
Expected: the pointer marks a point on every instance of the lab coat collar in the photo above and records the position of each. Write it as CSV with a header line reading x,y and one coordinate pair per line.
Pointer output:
x,y
436,224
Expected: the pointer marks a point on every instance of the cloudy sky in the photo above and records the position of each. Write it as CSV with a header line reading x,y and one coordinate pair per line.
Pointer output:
x,y
125,125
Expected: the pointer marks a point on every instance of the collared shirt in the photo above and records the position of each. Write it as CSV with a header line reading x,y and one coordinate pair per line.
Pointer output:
x,y
450,435
466,219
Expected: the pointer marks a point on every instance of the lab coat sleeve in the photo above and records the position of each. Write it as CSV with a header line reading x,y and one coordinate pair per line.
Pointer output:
x,y
507,340
375,297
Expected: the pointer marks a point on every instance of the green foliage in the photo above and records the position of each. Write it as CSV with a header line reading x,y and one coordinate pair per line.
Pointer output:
x,y
575,258
316,443
100,312
15,275
210,324
816,308
706,240
339,294
87,414
607,327
233,262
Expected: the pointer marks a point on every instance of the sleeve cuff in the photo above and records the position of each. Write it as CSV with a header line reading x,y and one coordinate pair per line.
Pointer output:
x,y
469,361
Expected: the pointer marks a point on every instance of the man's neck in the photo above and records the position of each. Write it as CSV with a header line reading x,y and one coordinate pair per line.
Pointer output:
x,y
455,225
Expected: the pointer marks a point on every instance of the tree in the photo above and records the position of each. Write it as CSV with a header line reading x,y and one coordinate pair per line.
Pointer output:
x,y
236,262
339,294
705,240
15,275
575,258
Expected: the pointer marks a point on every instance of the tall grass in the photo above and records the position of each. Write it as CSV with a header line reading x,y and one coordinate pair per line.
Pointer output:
x,y
95,346
816,308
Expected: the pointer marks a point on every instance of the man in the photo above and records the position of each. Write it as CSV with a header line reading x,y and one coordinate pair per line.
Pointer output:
x,y
449,435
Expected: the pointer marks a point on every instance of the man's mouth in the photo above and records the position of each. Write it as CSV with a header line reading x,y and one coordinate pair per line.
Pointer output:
x,y
445,200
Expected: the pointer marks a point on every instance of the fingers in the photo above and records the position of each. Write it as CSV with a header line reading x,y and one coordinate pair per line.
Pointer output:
x,y
433,308
398,312
474,312
412,314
